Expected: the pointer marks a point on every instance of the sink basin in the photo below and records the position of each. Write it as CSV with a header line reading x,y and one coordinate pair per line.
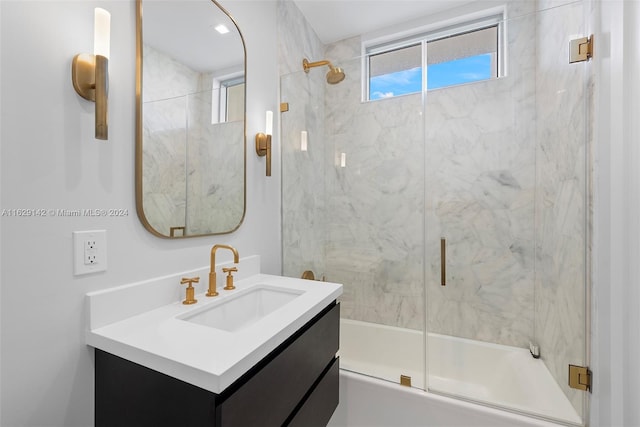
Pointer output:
x,y
244,309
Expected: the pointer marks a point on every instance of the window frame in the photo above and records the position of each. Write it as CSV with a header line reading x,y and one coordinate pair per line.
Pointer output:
x,y
220,84
424,35
224,99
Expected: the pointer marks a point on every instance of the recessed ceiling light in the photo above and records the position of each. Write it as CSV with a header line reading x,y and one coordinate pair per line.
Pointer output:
x,y
222,29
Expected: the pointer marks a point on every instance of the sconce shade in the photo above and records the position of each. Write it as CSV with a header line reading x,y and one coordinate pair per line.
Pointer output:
x,y
268,129
101,32
90,73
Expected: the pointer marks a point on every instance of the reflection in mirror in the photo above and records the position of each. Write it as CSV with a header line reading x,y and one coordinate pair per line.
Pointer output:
x,y
190,138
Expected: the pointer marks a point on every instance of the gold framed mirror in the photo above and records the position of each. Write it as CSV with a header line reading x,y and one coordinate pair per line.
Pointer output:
x,y
190,118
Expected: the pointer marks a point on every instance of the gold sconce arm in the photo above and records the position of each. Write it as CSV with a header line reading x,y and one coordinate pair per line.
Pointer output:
x,y
263,141
102,98
263,148
90,77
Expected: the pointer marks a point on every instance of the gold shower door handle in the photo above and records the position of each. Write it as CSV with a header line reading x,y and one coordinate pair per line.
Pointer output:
x,y
443,262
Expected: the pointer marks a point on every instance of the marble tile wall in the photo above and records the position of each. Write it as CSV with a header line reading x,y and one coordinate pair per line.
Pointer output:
x,y
480,188
215,172
560,285
472,155
490,166
304,208
165,136
339,221
375,244
376,203
185,155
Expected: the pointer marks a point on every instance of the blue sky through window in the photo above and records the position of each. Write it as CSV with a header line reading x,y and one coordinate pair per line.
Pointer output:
x,y
394,84
459,71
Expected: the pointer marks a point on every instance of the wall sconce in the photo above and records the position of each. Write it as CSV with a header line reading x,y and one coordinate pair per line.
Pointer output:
x,y
263,141
90,72
343,160
303,140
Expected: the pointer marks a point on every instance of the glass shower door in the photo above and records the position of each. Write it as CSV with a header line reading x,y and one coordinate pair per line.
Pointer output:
x,y
506,229
353,213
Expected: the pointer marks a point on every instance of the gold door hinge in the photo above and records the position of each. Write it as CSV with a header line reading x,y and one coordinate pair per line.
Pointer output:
x,y
581,49
579,377
284,107
405,380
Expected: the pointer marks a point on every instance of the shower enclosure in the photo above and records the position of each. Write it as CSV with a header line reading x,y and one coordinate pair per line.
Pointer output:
x,y
456,218
183,169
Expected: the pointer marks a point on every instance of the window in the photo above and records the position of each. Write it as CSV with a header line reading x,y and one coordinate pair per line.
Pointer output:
x,y
232,100
465,53
395,72
227,99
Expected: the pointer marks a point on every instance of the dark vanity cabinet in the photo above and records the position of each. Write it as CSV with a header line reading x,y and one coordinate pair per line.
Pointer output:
x,y
295,385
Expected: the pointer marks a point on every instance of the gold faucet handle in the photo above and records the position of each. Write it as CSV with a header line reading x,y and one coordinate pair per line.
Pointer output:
x,y
189,281
229,272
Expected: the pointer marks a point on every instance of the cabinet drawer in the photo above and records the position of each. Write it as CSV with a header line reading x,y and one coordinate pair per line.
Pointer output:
x,y
132,395
271,394
318,408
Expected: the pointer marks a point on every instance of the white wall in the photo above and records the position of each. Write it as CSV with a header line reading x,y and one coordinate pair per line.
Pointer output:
x,y
50,160
616,295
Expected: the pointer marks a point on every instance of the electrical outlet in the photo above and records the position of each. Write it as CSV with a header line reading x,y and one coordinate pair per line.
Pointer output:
x,y
90,251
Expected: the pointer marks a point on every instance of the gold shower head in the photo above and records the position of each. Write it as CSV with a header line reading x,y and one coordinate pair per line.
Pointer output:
x,y
335,74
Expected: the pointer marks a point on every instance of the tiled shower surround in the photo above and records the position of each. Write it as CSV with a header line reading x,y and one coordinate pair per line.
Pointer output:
x,y
187,182
561,195
497,168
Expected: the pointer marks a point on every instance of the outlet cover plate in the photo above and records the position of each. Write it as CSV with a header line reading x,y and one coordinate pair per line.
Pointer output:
x,y
89,243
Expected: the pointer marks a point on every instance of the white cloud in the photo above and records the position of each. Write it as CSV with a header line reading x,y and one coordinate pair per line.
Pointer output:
x,y
377,95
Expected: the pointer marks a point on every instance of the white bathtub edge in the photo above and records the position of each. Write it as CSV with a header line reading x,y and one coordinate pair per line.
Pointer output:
x,y
371,402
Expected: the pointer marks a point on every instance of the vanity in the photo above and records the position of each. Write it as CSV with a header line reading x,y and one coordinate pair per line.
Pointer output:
x,y
263,354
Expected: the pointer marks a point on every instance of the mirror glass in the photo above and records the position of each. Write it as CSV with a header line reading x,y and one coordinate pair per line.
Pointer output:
x,y
190,118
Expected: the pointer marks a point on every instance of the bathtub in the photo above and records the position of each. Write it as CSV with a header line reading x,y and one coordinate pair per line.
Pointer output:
x,y
484,377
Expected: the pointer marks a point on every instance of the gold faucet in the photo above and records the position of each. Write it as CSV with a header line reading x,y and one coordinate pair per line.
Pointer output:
x,y
212,272
229,272
190,289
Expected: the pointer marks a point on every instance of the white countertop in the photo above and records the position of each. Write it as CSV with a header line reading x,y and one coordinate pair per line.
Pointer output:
x,y
201,355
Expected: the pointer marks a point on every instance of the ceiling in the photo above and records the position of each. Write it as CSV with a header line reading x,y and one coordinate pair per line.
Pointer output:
x,y
335,20
184,29
192,38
